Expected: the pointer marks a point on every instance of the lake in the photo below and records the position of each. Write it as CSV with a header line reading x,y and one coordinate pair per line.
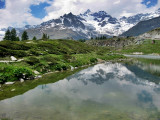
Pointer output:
x,y
109,91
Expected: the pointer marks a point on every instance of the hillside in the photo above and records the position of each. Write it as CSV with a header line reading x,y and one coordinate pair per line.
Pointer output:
x,y
143,26
39,57
116,42
153,34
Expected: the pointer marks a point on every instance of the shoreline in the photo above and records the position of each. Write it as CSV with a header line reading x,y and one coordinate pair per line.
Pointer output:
x,y
18,88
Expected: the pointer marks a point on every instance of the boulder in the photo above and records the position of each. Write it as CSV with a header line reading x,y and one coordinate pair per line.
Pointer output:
x,y
9,83
13,90
36,72
13,58
21,80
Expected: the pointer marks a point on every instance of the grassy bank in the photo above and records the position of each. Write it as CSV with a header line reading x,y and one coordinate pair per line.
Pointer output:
x,y
39,57
147,48
20,88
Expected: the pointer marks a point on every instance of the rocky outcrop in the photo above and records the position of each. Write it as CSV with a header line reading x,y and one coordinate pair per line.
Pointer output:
x,y
113,42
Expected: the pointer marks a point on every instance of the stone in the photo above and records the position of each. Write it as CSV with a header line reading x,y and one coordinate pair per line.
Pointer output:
x,y
13,90
9,83
13,58
39,76
36,72
72,68
21,80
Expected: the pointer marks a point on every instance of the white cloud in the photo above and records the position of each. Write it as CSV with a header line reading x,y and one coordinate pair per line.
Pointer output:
x,y
116,8
17,12
117,2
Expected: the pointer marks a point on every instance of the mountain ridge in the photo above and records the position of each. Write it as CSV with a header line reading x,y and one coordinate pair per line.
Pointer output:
x,y
86,25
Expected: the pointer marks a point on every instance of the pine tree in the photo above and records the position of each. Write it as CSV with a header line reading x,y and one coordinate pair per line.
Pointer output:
x,y
48,37
13,35
17,39
25,36
7,35
34,38
44,37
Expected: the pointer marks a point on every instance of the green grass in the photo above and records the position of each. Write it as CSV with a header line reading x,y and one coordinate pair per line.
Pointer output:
x,y
47,56
147,48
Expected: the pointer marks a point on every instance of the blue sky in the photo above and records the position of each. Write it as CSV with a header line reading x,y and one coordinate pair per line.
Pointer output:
x,y
150,3
39,10
2,4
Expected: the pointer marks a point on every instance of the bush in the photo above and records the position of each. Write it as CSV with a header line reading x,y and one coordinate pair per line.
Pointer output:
x,y
64,67
32,60
93,60
67,57
14,73
49,58
58,67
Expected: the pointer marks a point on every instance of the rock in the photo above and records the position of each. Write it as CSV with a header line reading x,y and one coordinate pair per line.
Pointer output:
x,y
36,72
9,83
13,90
72,68
21,80
39,76
13,58
76,67
137,53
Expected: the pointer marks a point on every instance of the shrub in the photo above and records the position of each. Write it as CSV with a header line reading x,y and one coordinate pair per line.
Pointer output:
x,y
14,73
93,60
64,67
58,67
32,60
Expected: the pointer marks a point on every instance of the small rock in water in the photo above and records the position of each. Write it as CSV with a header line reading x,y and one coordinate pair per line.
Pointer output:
x,y
9,83
13,90
13,58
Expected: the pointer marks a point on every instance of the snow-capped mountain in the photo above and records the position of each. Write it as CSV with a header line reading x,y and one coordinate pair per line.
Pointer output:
x,y
86,25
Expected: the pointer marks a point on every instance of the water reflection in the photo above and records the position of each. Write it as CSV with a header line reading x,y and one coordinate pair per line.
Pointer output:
x,y
105,91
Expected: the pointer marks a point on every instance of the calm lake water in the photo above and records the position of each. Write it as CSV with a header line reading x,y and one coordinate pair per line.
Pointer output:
x,y
110,91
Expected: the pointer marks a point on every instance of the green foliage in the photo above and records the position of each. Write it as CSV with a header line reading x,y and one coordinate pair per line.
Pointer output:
x,y
7,35
32,60
17,39
45,37
34,38
24,36
13,35
147,48
82,40
13,73
93,60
